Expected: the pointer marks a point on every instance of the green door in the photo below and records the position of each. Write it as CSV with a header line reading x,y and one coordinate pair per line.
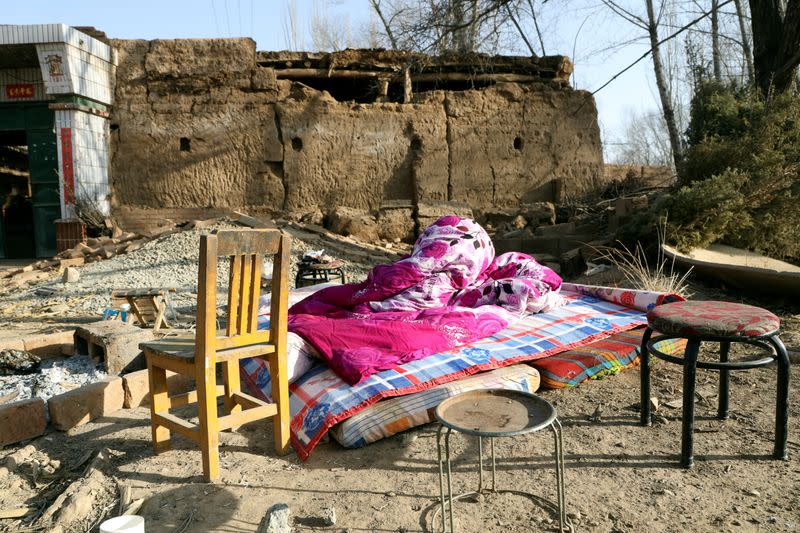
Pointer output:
x,y
44,189
37,120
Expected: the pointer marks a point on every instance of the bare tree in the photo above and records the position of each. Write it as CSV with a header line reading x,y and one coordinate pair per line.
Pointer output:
x,y
716,60
747,53
650,25
291,28
645,141
387,23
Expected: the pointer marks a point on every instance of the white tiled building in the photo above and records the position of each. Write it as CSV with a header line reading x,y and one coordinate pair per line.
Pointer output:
x,y
74,80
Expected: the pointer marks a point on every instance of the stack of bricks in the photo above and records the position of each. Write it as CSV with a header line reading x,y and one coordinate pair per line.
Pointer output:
x,y
69,232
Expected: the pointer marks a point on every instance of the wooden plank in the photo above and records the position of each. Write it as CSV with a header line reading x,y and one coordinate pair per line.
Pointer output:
x,y
255,293
233,295
205,356
244,293
278,328
257,337
188,398
257,413
250,241
178,425
159,405
247,401
244,352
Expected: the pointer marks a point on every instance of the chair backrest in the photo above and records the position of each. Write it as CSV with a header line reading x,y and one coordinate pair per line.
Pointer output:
x,y
246,250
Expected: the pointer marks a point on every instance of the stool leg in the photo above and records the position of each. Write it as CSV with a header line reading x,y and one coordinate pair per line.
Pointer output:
x,y
449,480
480,465
644,374
441,475
560,490
689,374
724,381
782,402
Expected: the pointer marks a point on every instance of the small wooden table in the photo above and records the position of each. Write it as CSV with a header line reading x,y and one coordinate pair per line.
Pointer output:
x,y
313,273
149,305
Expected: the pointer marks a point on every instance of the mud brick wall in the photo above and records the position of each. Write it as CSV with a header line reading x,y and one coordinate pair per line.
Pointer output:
x,y
197,123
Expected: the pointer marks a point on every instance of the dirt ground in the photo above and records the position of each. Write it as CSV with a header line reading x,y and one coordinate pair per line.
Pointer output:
x,y
619,476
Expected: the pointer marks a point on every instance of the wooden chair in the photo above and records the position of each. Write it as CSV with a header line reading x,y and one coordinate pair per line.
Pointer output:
x,y
198,356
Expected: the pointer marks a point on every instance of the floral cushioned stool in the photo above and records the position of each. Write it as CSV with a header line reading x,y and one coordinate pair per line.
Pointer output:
x,y
722,322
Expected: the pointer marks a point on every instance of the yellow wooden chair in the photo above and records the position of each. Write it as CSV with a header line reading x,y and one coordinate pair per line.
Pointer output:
x,y
198,356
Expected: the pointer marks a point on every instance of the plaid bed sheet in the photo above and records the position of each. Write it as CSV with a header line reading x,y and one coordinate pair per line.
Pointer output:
x,y
320,399
394,415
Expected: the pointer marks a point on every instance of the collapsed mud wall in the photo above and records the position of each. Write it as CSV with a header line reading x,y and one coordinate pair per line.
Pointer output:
x,y
198,123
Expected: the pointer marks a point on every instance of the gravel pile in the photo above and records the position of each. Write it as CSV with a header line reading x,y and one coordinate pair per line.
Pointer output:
x,y
54,377
169,261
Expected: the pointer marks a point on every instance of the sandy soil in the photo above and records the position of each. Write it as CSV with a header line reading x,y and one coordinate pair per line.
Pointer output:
x,y
620,477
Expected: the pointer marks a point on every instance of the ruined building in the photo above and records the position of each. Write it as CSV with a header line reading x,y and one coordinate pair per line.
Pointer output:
x,y
178,126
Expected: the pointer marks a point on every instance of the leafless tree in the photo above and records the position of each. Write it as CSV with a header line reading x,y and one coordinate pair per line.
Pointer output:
x,y
650,23
645,141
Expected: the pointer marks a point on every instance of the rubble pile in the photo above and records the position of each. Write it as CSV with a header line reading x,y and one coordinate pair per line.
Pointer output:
x,y
166,259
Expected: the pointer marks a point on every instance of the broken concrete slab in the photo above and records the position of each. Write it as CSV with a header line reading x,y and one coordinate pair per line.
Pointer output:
x,y
115,343
47,345
79,406
276,520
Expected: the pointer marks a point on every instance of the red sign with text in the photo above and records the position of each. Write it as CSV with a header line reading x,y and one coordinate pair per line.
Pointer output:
x,y
66,166
15,91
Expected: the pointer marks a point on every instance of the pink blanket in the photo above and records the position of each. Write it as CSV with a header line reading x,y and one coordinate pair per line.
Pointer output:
x,y
450,291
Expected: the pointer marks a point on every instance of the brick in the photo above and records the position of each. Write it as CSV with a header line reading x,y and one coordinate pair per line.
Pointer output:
x,y
12,344
113,342
49,344
92,401
137,387
72,262
22,420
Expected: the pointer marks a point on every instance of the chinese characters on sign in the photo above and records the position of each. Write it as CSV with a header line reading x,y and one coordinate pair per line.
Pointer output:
x,y
15,91
66,166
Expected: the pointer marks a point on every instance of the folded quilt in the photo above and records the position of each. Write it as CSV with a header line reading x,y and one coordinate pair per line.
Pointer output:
x,y
450,291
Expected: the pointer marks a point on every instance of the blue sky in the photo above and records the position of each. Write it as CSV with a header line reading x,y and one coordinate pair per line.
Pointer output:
x,y
573,28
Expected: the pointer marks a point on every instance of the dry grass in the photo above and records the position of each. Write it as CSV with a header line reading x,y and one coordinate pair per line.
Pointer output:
x,y
635,267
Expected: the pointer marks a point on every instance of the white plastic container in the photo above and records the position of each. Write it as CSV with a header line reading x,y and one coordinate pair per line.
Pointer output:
x,y
123,524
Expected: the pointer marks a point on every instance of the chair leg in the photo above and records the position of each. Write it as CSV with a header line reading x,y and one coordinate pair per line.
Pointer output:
x,y
782,402
159,403
724,381
233,384
644,374
280,395
207,415
689,374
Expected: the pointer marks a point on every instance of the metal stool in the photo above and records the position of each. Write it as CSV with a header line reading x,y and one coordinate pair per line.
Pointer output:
x,y
496,413
723,322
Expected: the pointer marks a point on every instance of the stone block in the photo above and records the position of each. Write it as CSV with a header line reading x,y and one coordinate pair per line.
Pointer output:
x,y
396,223
92,401
47,345
22,420
539,213
353,222
137,387
113,342
556,230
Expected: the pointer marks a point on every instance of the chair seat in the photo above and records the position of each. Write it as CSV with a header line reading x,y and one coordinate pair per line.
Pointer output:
x,y
712,318
182,348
